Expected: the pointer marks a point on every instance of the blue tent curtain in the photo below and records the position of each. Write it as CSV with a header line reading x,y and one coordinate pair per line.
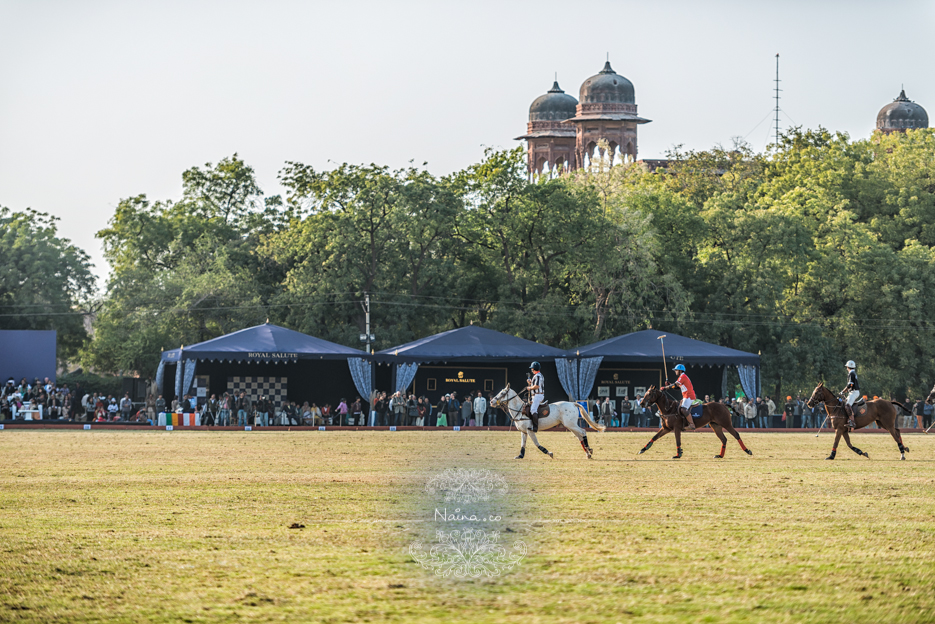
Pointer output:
x,y
179,373
587,373
405,373
748,379
160,376
360,373
568,375
189,376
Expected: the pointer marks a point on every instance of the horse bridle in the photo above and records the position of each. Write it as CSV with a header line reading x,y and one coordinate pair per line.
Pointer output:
x,y
505,406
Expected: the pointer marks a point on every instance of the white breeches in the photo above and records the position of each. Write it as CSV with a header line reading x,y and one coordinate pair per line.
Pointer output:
x,y
852,396
687,403
536,401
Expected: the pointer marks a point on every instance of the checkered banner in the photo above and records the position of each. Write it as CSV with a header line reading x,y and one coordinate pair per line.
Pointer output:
x,y
276,388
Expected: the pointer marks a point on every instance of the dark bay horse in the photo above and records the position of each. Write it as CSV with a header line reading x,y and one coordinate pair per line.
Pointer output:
x,y
715,414
880,411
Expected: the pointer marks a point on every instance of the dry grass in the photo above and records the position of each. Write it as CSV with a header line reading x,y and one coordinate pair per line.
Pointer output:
x,y
186,526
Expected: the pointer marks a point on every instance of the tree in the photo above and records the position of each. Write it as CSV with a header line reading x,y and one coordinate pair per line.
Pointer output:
x,y
45,281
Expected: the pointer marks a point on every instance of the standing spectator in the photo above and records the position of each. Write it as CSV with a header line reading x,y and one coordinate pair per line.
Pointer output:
x,y
454,409
762,413
467,411
918,410
412,411
383,408
495,417
356,411
788,412
263,409
926,415
422,412
606,413
442,420
113,410
244,409
209,411
342,412
224,410
749,413
480,409
624,412
126,406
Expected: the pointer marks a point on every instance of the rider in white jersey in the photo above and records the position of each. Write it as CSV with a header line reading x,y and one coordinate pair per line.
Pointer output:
x,y
536,386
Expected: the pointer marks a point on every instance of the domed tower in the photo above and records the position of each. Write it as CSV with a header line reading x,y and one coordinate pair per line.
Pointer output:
x,y
901,114
550,143
607,110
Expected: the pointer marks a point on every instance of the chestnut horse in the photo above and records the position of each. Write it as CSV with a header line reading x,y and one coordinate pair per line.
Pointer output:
x,y
715,414
879,411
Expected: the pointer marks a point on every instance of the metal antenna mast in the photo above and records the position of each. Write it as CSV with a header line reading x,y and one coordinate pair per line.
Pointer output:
x,y
777,99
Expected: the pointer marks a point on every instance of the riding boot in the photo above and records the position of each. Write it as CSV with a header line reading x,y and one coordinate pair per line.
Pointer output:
x,y
534,417
688,416
850,416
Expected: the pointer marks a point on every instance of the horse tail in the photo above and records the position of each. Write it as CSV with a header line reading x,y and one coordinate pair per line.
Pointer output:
x,y
587,418
905,409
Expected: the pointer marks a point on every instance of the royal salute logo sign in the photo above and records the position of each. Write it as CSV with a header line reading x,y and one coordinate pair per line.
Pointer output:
x,y
461,379
272,356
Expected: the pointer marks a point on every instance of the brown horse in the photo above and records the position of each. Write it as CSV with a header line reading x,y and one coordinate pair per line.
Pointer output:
x,y
879,411
715,414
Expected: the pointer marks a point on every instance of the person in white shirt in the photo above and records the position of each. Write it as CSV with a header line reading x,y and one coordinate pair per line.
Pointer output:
x,y
480,408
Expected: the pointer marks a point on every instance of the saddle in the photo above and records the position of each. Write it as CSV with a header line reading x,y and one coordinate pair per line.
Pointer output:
x,y
543,412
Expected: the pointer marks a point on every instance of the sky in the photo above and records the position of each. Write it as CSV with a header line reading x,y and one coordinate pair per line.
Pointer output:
x,y
101,101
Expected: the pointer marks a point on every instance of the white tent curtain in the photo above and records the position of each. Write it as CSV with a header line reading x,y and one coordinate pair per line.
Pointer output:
x,y
587,373
748,379
405,373
360,373
160,376
189,376
179,374
568,376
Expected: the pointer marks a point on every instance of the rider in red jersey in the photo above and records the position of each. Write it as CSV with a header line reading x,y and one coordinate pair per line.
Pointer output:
x,y
688,394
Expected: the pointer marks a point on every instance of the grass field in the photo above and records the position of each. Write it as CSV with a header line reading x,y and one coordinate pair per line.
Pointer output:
x,y
194,527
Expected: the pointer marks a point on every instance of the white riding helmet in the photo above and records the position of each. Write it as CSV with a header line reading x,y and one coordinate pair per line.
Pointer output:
x,y
850,364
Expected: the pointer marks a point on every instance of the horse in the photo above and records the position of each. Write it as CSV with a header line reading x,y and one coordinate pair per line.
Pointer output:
x,y
931,397
715,414
559,413
879,411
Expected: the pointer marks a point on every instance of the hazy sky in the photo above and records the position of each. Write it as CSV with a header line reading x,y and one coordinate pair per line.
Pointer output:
x,y
104,100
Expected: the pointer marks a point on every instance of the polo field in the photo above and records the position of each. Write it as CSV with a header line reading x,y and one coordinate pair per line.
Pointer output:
x,y
397,526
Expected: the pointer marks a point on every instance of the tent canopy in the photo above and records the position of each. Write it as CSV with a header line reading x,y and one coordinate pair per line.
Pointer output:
x,y
469,344
644,346
263,343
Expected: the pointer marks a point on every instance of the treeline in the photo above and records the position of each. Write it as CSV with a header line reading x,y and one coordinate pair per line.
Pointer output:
x,y
816,253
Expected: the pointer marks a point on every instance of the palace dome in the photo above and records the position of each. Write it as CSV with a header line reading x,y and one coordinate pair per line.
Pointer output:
x,y
607,87
902,114
556,105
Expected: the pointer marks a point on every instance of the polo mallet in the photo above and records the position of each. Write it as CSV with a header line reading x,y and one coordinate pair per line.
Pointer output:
x,y
664,369
930,426
822,422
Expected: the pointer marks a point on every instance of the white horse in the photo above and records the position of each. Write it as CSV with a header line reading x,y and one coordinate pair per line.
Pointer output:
x,y
560,413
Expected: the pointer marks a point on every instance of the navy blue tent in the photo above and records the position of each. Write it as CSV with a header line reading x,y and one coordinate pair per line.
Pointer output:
x,y
257,352
466,359
580,368
645,346
469,344
263,343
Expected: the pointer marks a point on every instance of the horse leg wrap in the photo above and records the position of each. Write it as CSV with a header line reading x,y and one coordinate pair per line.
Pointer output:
x,y
834,452
679,454
545,450
646,448
522,453
723,449
740,442
858,451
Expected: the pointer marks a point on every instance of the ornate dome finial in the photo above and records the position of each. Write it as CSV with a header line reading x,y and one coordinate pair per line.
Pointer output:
x,y
607,68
